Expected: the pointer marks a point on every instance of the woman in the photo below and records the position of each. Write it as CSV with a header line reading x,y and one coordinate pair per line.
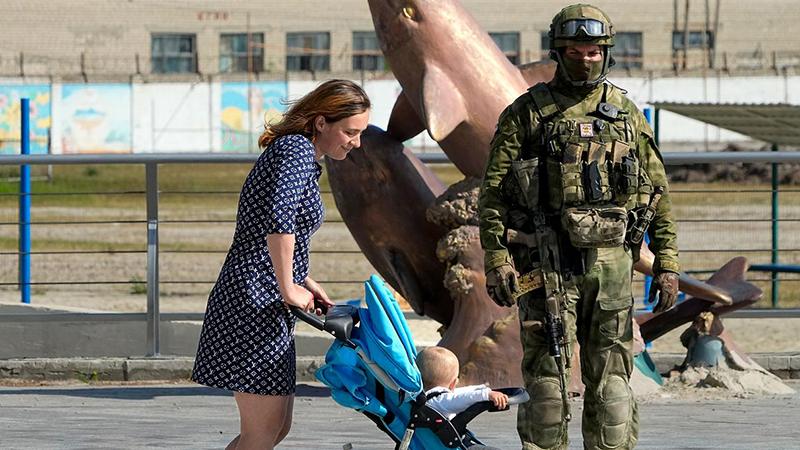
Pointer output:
x,y
247,341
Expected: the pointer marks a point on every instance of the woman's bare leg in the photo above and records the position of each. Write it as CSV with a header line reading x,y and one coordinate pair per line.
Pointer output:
x,y
287,420
262,419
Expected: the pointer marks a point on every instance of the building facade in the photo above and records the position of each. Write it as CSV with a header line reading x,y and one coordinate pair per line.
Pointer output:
x,y
151,40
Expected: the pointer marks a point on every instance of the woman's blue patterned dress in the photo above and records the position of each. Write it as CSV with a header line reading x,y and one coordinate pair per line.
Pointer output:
x,y
247,341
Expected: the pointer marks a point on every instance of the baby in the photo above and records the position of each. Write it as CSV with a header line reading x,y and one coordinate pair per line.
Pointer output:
x,y
439,369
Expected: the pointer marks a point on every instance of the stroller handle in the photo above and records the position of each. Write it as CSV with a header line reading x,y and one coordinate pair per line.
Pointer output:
x,y
516,395
339,320
310,318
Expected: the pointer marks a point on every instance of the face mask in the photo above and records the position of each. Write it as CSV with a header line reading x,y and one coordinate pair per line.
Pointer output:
x,y
581,70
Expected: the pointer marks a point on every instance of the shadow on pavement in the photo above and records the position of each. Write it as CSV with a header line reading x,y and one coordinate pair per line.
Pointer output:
x,y
148,392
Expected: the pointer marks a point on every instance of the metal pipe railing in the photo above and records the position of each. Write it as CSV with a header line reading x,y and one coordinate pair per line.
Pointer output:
x,y
670,158
774,255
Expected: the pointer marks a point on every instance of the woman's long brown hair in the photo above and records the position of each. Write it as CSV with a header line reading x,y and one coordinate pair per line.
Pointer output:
x,y
333,99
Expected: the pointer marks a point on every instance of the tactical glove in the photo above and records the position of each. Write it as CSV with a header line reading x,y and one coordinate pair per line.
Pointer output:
x,y
666,285
501,283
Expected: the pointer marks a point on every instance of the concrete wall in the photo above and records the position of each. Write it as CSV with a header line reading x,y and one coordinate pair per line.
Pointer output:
x,y
65,338
176,117
204,116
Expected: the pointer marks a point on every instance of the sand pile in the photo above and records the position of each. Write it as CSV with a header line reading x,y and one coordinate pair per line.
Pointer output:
x,y
748,381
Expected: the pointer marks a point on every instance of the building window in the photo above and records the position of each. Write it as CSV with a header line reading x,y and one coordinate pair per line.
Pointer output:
x,y
308,51
173,53
695,40
627,50
367,52
508,44
235,55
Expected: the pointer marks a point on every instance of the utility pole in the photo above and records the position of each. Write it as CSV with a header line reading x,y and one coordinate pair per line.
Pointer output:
x,y
250,111
713,50
674,30
707,39
685,35
249,48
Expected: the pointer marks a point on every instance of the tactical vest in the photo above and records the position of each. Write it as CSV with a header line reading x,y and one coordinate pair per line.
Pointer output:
x,y
587,166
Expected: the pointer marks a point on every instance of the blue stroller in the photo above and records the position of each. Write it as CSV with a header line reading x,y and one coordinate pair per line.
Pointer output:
x,y
371,368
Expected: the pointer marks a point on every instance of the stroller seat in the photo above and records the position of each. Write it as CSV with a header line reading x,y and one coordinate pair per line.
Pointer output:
x,y
370,367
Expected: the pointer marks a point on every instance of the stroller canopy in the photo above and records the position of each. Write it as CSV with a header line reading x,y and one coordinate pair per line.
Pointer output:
x,y
384,353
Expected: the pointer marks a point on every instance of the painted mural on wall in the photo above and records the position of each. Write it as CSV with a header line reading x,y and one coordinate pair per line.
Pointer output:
x,y
246,107
188,117
96,118
10,95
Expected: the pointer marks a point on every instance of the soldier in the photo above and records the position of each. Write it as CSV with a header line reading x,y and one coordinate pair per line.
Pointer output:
x,y
572,179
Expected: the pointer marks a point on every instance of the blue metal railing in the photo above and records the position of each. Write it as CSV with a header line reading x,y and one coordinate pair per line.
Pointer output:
x,y
25,207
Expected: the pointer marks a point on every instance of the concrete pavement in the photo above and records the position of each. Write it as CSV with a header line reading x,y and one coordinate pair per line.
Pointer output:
x,y
186,416
88,415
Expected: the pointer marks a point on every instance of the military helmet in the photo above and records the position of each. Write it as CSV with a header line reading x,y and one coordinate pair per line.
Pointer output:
x,y
581,24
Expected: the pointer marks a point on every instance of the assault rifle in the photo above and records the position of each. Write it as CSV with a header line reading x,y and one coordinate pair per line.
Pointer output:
x,y
555,305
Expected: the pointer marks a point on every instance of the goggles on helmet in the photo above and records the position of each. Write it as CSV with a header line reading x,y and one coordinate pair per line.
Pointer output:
x,y
581,28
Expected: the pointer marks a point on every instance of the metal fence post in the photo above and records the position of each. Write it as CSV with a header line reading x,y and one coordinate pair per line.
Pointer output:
x,y
25,205
774,258
153,319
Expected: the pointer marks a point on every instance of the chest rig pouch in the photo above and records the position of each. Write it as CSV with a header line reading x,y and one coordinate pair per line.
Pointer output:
x,y
590,167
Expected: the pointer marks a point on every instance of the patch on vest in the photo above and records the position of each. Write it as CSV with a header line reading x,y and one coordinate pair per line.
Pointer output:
x,y
586,129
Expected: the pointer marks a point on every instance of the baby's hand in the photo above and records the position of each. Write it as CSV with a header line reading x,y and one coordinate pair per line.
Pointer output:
x,y
499,399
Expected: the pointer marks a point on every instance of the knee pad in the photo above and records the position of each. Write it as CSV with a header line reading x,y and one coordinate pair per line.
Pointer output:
x,y
615,412
541,419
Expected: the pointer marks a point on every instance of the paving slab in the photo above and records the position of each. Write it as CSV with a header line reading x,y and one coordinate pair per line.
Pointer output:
x,y
188,416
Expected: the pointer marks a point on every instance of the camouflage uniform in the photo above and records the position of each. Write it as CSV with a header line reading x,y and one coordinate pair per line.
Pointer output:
x,y
553,130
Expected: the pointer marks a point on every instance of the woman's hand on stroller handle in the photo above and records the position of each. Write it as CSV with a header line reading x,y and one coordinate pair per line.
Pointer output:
x,y
321,300
299,297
